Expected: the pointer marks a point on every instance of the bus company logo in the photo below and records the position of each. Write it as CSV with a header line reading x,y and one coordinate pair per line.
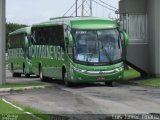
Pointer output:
x,y
101,72
16,53
50,52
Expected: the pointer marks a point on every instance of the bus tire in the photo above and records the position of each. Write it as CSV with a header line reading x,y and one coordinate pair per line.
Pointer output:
x,y
27,75
42,78
66,82
110,84
13,73
16,74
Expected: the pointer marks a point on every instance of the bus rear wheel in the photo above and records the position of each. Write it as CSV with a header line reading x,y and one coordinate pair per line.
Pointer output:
x,y
110,84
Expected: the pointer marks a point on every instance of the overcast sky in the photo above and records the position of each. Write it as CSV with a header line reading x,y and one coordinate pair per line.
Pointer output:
x,y
34,11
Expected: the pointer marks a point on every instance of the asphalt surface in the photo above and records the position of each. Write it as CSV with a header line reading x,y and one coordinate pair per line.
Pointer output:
x,y
87,98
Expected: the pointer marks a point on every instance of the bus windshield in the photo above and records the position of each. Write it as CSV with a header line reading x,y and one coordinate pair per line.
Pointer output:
x,y
97,46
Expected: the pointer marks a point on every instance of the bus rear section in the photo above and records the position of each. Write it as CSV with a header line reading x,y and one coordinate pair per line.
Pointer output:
x,y
18,52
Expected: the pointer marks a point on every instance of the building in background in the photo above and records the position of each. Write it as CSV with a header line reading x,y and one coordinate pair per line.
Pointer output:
x,y
141,20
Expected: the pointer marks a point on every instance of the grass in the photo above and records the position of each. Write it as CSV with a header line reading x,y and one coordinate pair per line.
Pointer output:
x,y
34,111
154,82
131,74
41,115
8,112
22,84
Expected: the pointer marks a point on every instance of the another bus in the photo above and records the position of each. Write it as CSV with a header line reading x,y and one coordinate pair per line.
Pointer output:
x,y
78,50
18,52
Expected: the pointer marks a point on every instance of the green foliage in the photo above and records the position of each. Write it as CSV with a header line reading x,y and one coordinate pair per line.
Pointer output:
x,y
8,112
23,84
10,27
154,82
131,74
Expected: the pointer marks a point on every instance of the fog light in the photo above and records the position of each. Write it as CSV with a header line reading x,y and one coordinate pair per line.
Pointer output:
x,y
120,76
79,78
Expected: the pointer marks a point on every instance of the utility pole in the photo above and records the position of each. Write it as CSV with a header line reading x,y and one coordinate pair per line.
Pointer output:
x,y
86,7
76,8
91,8
83,4
2,42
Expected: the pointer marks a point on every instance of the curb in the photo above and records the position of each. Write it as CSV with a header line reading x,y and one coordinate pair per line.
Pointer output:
x,y
22,88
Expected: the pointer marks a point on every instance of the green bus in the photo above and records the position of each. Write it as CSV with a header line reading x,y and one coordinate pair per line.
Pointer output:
x,y
78,50
18,52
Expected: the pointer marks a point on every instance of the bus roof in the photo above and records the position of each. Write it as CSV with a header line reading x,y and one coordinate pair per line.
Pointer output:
x,y
80,23
22,30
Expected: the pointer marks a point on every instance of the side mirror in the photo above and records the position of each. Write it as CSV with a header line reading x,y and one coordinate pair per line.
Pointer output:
x,y
8,44
26,42
70,39
124,37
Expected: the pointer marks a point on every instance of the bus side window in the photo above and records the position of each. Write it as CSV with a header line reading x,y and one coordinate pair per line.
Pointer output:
x,y
40,37
50,36
45,37
59,36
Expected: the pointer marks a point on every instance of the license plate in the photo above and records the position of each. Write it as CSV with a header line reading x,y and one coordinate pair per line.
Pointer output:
x,y
100,78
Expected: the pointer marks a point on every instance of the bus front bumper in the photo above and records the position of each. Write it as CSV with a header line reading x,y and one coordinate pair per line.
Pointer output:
x,y
83,76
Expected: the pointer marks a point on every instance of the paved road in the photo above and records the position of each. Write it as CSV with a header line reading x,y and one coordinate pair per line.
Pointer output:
x,y
88,98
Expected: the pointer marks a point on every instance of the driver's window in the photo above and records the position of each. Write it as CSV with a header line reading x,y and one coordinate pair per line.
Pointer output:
x,y
68,49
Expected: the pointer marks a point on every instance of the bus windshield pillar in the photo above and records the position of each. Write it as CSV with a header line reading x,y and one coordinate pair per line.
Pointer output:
x,y
2,42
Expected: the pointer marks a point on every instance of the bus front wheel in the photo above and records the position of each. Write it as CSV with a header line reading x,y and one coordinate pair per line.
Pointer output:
x,y
13,73
110,84
66,82
25,73
16,74
42,78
